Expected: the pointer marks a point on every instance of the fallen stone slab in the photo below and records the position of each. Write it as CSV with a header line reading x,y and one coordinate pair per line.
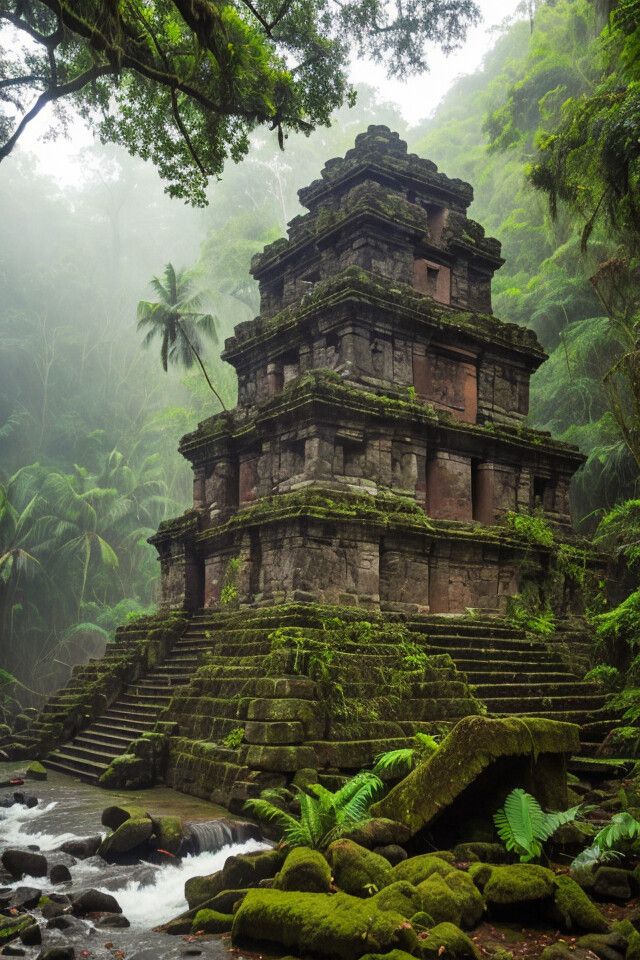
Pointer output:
x,y
475,767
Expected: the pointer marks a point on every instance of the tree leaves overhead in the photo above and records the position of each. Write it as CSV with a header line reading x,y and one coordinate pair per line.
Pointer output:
x,y
184,82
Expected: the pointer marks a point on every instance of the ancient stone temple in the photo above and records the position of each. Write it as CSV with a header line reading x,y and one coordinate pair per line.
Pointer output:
x,y
363,521
379,437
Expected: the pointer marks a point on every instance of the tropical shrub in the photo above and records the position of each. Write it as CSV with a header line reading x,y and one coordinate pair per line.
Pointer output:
x,y
523,825
610,844
324,816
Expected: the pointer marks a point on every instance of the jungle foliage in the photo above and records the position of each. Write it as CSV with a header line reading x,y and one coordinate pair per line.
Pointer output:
x,y
185,82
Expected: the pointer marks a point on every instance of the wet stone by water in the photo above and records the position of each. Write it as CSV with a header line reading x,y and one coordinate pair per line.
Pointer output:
x,y
148,893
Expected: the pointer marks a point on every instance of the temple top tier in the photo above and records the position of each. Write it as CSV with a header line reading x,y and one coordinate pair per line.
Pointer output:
x,y
388,212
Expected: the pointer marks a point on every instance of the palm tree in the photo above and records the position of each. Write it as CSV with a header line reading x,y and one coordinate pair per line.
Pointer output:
x,y
177,320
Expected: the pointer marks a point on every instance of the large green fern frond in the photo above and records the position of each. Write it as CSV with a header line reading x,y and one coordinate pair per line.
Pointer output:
x,y
269,813
396,762
621,828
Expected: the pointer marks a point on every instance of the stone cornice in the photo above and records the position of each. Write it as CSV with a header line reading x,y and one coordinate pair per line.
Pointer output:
x,y
306,397
399,300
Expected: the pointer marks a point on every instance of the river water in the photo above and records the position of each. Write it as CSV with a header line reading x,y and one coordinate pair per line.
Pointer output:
x,y
149,894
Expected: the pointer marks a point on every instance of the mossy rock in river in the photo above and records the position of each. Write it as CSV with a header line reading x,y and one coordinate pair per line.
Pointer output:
x,y
115,815
532,748
168,833
304,870
11,927
337,926
358,871
129,835
240,871
36,771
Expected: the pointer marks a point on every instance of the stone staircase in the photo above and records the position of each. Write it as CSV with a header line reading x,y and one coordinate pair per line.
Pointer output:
x,y
135,712
513,675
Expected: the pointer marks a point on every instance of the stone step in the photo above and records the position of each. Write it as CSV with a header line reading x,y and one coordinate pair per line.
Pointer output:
x,y
145,700
70,769
536,704
482,668
92,752
489,654
107,738
80,763
540,688
135,720
113,728
491,678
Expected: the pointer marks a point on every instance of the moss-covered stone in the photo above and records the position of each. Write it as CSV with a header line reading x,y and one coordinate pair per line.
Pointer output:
x,y
358,871
115,815
129,835
168,832
334,926
11,927
520,883
467,896
304,870
574,909
447,942
127,772
378,832
400,897
472,746
239,871
417,869
36,771
210,921
440,901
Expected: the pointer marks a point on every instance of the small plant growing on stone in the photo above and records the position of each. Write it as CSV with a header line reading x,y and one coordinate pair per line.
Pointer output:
x,y
324,816
398,763
229,592
523,825
234,738
612,843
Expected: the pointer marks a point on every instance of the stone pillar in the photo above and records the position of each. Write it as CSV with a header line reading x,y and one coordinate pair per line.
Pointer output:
x,y
494,491
274,379
248,478
199,498
449,487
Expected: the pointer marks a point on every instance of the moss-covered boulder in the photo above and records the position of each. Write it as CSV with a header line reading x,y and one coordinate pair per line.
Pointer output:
x,y
472,747
400,897
379,832
168,833
240,871
574,910
210,921
335,926
520,883
447,942
127,772
439,900
304,870
12,927
36,771
131,834
417,869
467,896
607,946
115,815
358,871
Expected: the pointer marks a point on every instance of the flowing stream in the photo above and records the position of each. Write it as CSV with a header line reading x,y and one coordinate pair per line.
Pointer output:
x,y
149,893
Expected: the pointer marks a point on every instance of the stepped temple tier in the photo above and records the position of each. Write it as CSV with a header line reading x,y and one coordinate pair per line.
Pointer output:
x,y
379,438
376,533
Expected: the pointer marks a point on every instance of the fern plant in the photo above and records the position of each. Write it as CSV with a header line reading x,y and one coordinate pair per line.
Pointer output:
x,y
523,826
325,816
398,763
609,845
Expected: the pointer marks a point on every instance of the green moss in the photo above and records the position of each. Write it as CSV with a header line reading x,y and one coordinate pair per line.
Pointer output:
x,y
471,747
36,771
210,921
417,869
10,927
575,910
129,835
440,901
400,897
467,897
337,926
199,890
422,921
168,832
358,871
520,883
447,942
304,870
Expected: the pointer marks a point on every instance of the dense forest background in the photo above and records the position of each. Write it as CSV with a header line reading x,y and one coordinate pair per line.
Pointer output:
x,y
89,422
